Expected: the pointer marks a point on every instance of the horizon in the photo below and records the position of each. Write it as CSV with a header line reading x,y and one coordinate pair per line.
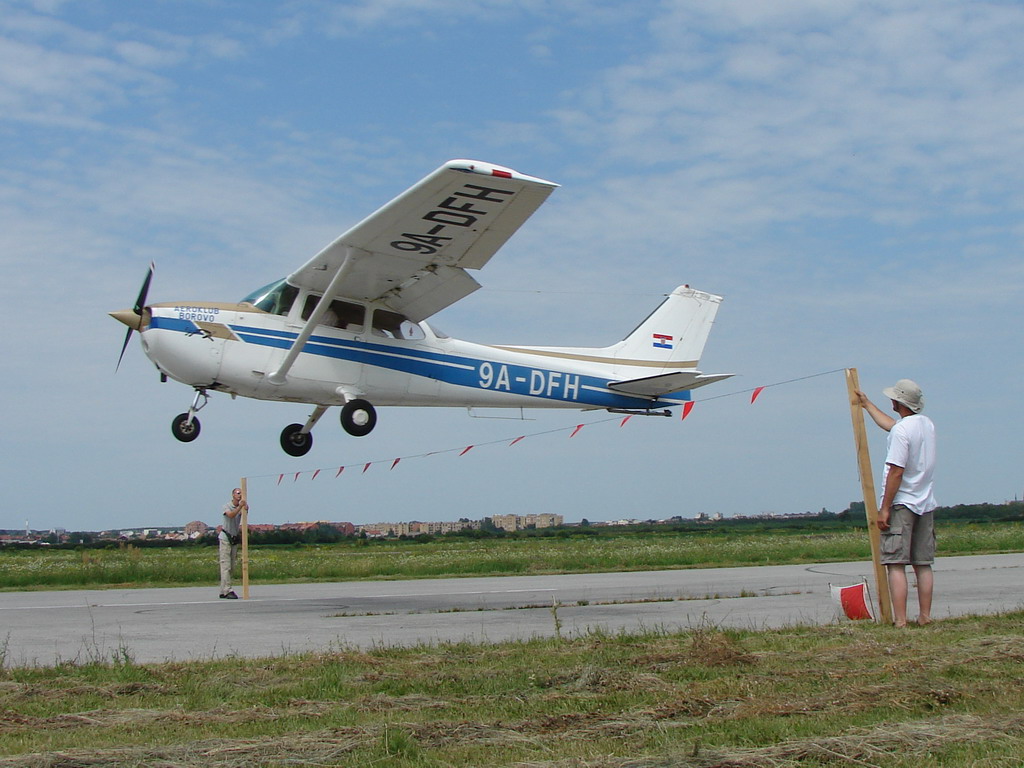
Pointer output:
x,y
619,521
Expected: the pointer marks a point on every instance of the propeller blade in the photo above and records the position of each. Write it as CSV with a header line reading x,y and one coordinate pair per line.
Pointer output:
x,y
127,338
138,309
140,302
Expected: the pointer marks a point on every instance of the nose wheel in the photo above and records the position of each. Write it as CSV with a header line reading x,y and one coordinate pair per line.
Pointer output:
x,y
185,426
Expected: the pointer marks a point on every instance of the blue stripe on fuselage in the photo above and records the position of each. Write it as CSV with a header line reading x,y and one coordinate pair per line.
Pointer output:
x,y
173,324
488,375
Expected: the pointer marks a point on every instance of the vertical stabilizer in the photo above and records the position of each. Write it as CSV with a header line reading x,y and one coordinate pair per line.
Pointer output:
x,y
674,334
660,357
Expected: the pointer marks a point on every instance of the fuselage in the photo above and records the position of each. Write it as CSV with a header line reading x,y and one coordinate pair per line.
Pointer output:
x,y
234,348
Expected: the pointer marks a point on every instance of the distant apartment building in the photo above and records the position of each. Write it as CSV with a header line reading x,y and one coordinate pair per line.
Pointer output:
x,y
416,528
505,522
446,527
522,522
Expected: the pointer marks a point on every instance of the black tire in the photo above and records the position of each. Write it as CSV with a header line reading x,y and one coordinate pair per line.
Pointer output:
x,y
358,418
294,442
183,430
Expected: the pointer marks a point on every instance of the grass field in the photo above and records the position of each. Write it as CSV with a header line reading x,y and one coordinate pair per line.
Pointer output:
x,y
129,566
950,694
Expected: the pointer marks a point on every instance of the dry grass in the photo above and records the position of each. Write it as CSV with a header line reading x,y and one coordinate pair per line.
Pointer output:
x,y
916,740
852,695
869,747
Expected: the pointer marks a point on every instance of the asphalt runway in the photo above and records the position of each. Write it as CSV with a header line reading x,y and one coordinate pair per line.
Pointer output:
x,y
155,625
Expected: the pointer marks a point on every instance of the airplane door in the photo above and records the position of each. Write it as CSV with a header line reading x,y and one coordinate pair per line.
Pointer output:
x,y
342,326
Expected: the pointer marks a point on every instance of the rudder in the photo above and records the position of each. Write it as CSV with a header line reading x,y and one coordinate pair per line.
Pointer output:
x,y
673,335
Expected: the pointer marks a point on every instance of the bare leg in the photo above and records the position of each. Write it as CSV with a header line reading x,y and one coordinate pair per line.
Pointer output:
x,y
925,587
898,592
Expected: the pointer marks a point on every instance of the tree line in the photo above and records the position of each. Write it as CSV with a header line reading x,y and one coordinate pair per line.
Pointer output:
x,y
851,518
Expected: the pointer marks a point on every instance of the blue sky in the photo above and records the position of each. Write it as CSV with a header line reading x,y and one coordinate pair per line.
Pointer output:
x,y
848,176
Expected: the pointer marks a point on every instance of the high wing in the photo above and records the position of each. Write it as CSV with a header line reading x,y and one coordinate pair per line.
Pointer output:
x,y
413,253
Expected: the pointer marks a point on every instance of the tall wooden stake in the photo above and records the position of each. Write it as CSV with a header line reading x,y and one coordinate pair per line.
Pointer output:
x,y
245,541
867,484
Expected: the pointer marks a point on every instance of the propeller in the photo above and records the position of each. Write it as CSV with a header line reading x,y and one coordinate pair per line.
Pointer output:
x,y
135,317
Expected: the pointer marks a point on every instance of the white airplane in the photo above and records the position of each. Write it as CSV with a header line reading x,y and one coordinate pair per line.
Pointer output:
x,y
348,327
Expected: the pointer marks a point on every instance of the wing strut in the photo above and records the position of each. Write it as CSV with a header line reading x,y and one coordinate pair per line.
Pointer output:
x,y
280,376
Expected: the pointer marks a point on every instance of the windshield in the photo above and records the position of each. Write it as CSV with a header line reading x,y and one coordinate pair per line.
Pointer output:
x,y
275,298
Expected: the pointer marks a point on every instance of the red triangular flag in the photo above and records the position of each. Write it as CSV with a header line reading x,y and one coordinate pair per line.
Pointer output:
x,y
623,422
516,440
367,466
466,450
280,478
687,407
757,392
340,470
578,428
296,476
315,474
395,463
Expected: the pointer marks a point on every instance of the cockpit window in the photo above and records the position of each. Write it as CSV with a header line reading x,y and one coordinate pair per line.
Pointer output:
x,y
340,314
395,326
276,298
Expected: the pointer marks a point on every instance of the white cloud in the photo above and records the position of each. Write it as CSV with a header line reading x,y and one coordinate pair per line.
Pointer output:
x,y
881,95
362,16
58,74
746,116
39,85
146,56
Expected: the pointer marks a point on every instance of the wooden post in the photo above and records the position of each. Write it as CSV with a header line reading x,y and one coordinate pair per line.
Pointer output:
x,y
867,484
245,540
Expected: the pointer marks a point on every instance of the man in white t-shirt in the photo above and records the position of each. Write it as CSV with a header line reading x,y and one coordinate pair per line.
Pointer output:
x,y
905,516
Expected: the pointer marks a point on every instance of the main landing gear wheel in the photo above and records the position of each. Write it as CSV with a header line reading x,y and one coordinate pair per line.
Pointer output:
x,y
294,441
186,431
358,417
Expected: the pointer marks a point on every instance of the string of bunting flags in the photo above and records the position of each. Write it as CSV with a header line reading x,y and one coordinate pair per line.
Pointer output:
x,y
687,409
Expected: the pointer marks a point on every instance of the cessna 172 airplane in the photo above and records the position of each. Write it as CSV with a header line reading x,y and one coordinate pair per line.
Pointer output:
x,y
348,327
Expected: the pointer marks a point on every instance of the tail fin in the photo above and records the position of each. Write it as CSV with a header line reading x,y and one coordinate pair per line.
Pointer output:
x,y
673,335
660,357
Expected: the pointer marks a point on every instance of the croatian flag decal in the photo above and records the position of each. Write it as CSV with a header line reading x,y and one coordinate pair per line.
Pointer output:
x,y
662,341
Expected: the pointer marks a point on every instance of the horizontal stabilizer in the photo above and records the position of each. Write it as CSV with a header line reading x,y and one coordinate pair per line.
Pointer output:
x,y
665,383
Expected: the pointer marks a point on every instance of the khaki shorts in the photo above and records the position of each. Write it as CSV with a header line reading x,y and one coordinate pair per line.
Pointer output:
x,y
910,539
